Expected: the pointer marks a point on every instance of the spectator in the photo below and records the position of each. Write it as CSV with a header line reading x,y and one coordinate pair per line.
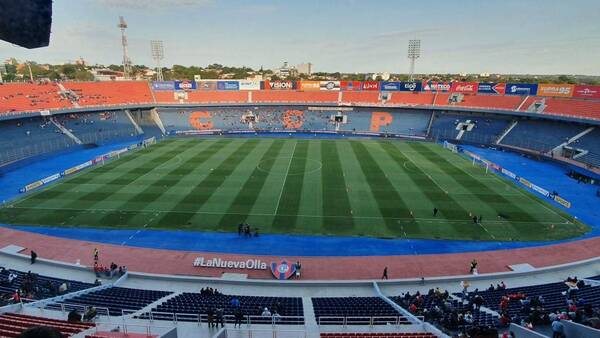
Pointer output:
x,y
558,329
41,332
33,257
211,317
239,317
220,318
266,312
74,316
90,314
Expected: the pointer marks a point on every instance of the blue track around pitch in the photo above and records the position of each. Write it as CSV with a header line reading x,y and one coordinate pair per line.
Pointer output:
x,y
551,176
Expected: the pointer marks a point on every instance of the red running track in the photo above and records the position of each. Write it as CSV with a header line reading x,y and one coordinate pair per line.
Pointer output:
x,y
313,268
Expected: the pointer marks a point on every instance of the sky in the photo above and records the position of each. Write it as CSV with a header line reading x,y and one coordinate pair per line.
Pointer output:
x,y
459,36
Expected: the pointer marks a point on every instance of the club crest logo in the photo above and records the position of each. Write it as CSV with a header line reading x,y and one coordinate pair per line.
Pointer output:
x,y
283,270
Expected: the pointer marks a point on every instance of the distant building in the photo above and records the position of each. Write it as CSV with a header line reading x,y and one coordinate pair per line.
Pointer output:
x,y
285,70
304,68
107,75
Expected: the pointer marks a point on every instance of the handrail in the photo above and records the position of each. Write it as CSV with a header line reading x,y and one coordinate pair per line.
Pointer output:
x,y
203,318
364,320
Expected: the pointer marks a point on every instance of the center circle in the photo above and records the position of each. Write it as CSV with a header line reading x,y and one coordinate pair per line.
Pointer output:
x,y
268,166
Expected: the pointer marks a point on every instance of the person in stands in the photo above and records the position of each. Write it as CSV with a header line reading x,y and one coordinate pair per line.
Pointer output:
x,y
41,332
33,257
239,317
385,273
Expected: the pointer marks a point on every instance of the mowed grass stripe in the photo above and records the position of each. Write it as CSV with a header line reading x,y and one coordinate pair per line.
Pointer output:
x,y
289,203
391,205
65,190
204,189
449,208
103,192
494,200
246,198
151,192
337,210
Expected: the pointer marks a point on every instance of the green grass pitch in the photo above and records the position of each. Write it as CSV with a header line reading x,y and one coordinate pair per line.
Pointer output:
x,y
376,188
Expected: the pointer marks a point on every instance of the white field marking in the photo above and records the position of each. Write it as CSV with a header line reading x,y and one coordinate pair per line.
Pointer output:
x,y
285,178
486,230
424,172
518,189
422,220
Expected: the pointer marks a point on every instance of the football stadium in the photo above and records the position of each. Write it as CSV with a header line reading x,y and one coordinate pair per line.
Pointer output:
x,y
288,203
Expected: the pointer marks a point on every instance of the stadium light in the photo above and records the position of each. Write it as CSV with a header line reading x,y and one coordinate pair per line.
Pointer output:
x,y
158,53
126,60
414,52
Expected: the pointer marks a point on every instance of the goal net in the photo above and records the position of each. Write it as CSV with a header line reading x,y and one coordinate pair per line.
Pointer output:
x,y
452,147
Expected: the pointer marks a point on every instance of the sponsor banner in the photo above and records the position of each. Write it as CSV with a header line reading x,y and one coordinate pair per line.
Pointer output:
x,y
207,85
163,85
283,270
559,90
77,168
410,86
309,85
389,86
249,85
541,190
32,186
185,85
280,85
562,201
525,182
587,92
351,85
435,86
329,85
491,88
370,85
464,87
228,85
50,178
509,173
250,264
521,89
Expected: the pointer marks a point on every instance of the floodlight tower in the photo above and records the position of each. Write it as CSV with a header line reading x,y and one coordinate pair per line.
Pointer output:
x,y
158,53
126,61
414,52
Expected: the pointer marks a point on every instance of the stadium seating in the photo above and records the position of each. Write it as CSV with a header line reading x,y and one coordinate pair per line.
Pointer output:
x,y
541,135
589,109
28,137
378,335
196,303
98,128
23,97
360,97
591,143
446,312
39,287
116,299
11,325
489,102
411,99
285,96
361,309
110,93
554,297
486,129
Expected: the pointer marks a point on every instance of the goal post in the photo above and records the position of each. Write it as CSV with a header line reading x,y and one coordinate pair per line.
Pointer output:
x,y
450,146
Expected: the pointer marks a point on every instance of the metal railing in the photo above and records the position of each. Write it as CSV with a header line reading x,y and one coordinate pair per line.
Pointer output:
x,y
264,332
363,320
149,330
68,307
229,319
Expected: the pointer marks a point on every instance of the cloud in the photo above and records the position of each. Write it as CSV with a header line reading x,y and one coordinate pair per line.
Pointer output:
x,y
153,4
